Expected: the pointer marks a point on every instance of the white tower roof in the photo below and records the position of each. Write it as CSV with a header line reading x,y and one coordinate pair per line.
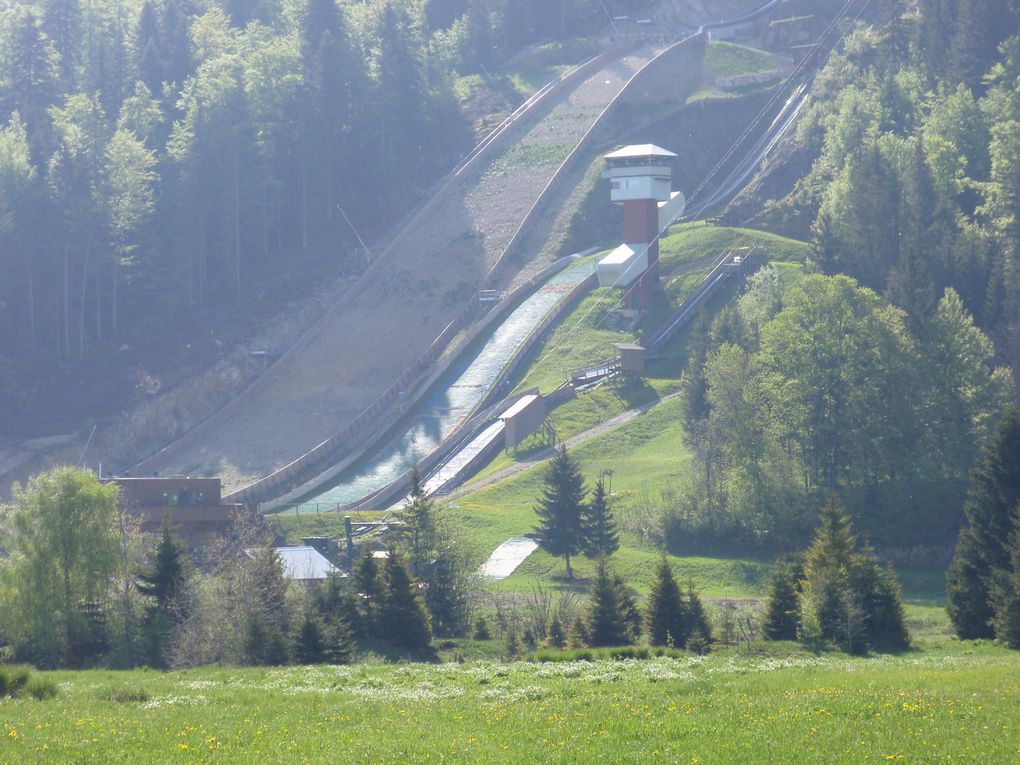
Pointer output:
x,y
641,151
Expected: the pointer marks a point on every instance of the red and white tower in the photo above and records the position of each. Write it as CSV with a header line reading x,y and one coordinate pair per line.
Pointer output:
x,y
641,180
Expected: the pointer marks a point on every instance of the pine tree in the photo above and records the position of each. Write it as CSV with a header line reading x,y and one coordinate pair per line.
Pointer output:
x,y
405,620
555,635
880,601
309,645
826,589
165,584
268,614
700,626
598,528
609,622
982,545
1004,592
371,591
781,604
666,618
577,637
560,509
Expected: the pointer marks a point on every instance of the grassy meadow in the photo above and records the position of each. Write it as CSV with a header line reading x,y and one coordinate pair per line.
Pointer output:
x,y
956,703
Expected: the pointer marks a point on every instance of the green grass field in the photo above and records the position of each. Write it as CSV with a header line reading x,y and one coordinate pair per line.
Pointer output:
x,y
955,703
725,59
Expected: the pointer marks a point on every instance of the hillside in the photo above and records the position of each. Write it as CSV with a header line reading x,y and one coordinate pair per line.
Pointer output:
x,y
164,417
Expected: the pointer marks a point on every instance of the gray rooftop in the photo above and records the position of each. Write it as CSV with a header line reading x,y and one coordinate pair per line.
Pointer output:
x,y
304,563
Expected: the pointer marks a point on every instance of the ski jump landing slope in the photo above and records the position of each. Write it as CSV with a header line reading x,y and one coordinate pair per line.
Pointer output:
x,y
412,291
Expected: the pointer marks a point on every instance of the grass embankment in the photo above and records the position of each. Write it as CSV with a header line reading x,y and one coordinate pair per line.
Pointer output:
x,y
726,59
955,704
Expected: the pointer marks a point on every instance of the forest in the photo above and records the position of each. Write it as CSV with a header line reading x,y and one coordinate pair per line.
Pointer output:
x,y
161,156
880,375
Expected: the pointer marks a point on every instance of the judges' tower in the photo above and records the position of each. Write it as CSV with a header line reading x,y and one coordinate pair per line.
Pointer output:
x,y
641,181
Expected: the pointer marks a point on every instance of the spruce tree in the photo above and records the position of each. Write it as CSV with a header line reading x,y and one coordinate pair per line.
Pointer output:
x,y
560,509
1004,592
609,620
666,618
695,400
598,528
339,640
700,626
268,614
405,620
555,635
371,592
982,545
309,644
877,594
826,572
481,631
577,637
848,599
781,604
514,647
419,530
165,585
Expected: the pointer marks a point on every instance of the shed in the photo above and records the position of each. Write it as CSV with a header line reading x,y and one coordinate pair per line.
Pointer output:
x,y
522,419
631,357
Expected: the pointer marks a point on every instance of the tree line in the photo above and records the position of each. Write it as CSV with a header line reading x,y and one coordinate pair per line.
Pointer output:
x,y
913,185
824,388
881,375
162,154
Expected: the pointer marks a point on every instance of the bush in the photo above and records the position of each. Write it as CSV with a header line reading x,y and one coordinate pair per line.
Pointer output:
x,y
18,680
40,688
13,679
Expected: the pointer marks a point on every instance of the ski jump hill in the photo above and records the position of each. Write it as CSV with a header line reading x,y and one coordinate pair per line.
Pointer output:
x,y
348,375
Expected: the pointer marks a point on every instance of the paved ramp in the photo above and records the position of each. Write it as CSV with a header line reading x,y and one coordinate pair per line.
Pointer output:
x,y
507,557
